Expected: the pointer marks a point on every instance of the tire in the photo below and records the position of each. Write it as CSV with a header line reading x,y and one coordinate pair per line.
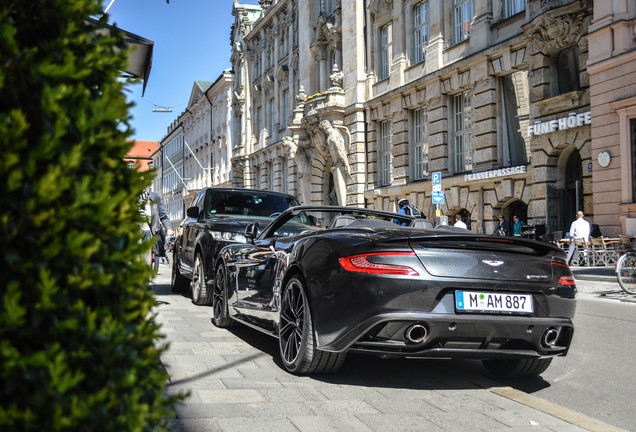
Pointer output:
x,y
626,273
517,368
221,316
297,345
179,282
201,294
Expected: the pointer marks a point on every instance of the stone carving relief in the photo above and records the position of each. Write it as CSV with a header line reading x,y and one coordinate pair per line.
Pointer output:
x,y
554,33
380,7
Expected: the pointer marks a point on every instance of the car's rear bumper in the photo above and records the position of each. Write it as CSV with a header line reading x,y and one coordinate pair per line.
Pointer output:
x,y
458,336
447,333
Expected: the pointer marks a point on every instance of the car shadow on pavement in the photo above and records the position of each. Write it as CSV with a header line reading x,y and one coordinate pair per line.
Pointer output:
x,y
406,373
372,371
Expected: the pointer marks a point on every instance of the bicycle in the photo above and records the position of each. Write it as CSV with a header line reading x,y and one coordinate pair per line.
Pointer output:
x,y
626,272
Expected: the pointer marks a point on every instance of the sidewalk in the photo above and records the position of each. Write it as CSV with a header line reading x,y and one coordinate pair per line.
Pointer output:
x,y
600,274
236,383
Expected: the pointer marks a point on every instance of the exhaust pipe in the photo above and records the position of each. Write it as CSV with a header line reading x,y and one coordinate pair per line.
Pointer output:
x,y
550,338
415,333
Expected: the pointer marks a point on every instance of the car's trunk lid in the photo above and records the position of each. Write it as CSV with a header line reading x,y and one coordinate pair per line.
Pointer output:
x,y
485,258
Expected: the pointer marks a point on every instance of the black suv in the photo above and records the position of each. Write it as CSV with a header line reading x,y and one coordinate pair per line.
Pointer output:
x,y
218,217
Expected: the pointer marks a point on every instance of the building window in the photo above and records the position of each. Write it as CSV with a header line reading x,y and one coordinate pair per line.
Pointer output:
x,y
257,178
270,117
513,7
285,109
385,154
462,145
259,121
420,145
462,16
236,142
283,44
330,6
270,176
257,63
131,164
270,56
284,175
385,50
567,64
420,31
516,109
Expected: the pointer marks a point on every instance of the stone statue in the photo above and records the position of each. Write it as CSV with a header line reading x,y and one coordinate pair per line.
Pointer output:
x,y
337,148
302,156
336,77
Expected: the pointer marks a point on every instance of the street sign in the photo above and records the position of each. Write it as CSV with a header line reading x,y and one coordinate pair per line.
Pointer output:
x,y
437,178
438,197
437,188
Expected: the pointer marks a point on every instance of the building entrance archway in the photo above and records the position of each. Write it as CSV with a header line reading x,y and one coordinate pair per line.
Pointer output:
x,y
565,198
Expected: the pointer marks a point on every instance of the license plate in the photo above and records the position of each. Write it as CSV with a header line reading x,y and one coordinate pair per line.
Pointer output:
x,y
473,301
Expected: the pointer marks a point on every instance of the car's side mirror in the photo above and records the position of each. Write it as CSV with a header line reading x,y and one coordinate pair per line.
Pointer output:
x,y
251,231
193,212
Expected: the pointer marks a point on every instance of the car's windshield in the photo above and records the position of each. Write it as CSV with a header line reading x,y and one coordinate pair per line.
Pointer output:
x,y
316,220
246,203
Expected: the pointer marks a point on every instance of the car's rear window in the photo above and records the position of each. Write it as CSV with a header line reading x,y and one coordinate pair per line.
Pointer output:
x,y
246,203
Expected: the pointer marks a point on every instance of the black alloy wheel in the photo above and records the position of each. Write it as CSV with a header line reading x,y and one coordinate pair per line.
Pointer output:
x,y
296,336
219,299
179,282
201,294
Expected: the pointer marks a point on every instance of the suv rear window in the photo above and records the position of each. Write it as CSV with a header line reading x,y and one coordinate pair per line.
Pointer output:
x,y
246,203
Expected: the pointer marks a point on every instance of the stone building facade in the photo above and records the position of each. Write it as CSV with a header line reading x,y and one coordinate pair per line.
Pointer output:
x,y
475,90
357,102
612,70
197,149
171,182
301,131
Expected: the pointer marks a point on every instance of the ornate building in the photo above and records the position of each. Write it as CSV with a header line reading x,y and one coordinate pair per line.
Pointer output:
x,y
350,108
483,92
612,69
301,132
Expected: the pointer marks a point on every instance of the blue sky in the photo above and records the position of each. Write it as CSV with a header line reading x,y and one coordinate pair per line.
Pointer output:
x,y
192,42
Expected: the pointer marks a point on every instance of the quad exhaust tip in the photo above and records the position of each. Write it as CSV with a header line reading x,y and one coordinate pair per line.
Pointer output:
x,y
550,337
415,333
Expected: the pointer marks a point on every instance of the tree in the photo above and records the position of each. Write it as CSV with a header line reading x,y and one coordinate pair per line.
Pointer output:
x,y
79,349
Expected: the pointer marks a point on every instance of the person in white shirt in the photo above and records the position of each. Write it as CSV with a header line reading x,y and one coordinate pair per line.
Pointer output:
x,y
459,223
580,229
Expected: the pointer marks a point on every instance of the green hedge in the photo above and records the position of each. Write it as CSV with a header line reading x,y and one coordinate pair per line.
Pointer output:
x,y
78,346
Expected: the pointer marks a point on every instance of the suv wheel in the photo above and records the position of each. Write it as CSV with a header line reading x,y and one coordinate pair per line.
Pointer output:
x,y
201,294
179,283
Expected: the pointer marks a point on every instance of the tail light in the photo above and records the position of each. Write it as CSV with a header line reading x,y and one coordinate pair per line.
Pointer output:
x,y
562,267
368,263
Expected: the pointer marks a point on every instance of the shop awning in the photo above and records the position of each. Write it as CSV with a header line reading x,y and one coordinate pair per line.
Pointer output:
x,y
139,57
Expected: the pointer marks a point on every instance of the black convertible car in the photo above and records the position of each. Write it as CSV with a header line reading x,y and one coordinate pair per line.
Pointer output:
x,y
330,280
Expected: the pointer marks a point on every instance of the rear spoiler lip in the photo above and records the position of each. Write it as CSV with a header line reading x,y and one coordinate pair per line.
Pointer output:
x,y
430,240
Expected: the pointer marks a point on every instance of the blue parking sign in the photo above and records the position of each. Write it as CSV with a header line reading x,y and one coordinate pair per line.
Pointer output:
x,y
437,178
438,197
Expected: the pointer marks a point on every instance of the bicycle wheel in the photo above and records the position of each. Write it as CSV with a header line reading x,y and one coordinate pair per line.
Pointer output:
x,y
626,273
